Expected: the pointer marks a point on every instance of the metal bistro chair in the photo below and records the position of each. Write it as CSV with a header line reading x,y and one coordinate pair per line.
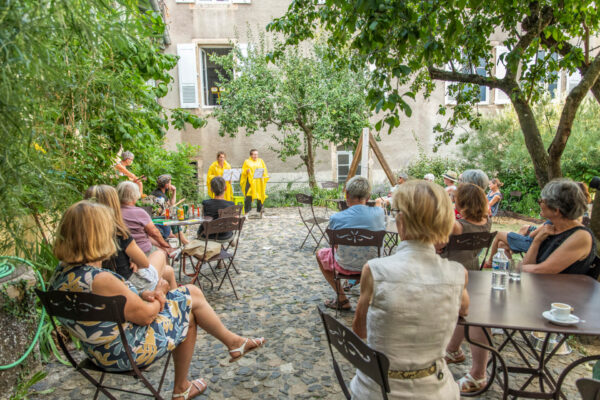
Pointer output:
x,y
352,237
221,225
92,307
471,241
231,211
588,388
311,221
370,362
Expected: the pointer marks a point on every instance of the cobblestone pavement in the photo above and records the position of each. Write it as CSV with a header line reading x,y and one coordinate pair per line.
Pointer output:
x,y
280,287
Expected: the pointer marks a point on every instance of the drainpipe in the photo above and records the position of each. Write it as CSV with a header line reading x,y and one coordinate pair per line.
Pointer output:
x,y
166,37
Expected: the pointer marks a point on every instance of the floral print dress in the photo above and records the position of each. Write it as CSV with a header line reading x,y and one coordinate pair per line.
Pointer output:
x,y
101,340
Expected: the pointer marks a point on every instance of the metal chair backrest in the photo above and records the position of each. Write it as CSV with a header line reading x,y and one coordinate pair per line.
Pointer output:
x,y
471,241
588,388
355,237
329,185
231,211
222,225
594,270
371,362
79,306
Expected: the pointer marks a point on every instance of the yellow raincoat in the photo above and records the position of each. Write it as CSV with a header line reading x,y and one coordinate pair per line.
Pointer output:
x,y
257,186
216,170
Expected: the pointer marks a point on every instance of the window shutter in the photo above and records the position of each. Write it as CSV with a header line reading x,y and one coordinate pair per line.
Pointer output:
x,y
573,80
240,1
500,96
188,77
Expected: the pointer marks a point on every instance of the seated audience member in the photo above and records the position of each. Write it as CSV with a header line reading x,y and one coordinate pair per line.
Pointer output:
x,y
402,178
212,206
164,187
472,205
565,246
410,301
138,221
450,179
588,199
429,177
157,322
476,177
513,242
350,260
130,262
494,196
121,168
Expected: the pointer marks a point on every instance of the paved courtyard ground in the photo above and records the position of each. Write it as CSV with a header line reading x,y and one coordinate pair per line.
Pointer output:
x,y
280,287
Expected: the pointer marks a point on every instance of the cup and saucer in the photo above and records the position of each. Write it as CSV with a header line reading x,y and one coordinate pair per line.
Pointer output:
x,y
560,314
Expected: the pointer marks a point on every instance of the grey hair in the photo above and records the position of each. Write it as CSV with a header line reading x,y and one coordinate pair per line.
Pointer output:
x,y
126,155
128,191
476,177
217,185
402,175
358,187
565,196
162,180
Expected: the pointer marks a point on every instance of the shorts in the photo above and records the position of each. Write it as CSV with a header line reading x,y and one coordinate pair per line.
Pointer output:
x,y
145,279
325,256
518,243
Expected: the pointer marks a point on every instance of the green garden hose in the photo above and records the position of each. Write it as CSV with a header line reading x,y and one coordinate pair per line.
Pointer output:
x,y
7,268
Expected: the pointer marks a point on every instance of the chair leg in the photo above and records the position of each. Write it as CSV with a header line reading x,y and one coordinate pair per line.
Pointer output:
x,y
307,235
230,281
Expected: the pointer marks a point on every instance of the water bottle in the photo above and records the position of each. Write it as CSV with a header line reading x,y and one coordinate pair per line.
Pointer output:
x,y
499,270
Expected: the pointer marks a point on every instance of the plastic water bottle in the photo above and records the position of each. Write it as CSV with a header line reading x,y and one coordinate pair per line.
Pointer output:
x,y
499,270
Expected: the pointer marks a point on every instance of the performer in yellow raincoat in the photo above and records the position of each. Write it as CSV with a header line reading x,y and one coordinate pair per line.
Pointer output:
x,y
216,169
254,189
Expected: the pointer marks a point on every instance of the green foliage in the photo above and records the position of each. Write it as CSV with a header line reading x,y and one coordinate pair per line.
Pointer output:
x,y
311,101
499,149
412,44
436,165
79,80
24,388
287,197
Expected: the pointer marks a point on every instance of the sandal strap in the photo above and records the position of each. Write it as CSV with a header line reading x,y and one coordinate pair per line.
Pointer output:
x,y
194,383
241,348
471,383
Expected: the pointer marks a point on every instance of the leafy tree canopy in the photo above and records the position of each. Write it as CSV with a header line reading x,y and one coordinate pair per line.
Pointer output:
x,y
412,44
311,101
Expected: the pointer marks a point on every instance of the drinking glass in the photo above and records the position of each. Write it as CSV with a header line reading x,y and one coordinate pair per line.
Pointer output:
x,y
514,270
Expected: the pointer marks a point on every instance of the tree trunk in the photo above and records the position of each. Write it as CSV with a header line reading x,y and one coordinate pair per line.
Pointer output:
x,y
310,160
533,141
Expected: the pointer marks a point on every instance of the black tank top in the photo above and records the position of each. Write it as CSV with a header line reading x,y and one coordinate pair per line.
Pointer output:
x,y
553,242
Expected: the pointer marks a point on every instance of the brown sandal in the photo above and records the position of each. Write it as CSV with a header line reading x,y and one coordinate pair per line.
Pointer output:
x,y
333,304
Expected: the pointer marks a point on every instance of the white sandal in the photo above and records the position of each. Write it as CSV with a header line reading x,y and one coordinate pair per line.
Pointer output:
x,y
258,343
455,357
186,394
468,384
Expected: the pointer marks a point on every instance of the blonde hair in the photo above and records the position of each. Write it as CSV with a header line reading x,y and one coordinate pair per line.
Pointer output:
x,y
471,202
426,209
83,234
107,195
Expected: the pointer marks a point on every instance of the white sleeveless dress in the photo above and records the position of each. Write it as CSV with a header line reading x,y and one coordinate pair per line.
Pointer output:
x,y
416,299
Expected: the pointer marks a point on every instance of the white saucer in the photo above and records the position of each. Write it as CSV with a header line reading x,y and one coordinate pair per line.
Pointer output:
x,y
572,320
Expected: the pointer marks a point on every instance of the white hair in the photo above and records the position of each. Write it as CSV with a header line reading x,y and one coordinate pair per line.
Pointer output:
x,y
128,191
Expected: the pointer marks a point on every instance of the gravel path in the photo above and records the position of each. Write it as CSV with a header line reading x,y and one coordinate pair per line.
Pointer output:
x,y
280,287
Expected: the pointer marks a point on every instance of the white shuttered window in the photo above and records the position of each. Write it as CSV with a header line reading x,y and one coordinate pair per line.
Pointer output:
x,y
188,75
573,80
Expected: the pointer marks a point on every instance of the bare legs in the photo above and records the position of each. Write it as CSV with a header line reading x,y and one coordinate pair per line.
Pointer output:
x,y
500,241
479,355
204,316
332,282
158,259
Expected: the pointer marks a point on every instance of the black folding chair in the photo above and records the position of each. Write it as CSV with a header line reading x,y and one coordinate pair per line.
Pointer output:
x,y
222,225
311,221
589,389
352,237
471,241
92,307
370,362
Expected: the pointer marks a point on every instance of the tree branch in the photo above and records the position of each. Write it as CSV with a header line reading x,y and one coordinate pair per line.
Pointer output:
x,y
572,102
452,76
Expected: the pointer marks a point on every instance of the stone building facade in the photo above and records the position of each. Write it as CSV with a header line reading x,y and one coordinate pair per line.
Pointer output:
x,y
199,27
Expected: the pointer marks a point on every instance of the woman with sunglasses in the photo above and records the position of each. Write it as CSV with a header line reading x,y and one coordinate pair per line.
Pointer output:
x,y
565,246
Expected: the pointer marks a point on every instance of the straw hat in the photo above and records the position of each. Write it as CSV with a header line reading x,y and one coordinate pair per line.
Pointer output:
x,y
453,176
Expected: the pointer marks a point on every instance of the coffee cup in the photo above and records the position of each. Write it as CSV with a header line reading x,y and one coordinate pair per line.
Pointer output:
x,y
561,311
